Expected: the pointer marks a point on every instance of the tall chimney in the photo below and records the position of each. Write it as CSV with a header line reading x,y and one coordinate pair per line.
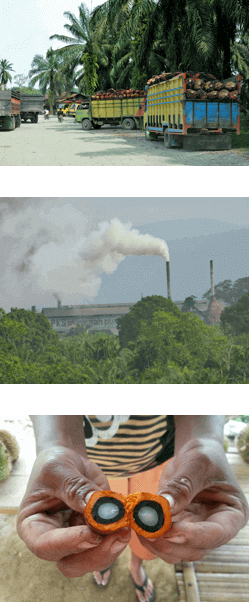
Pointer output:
x,y
58,304
168,279
212,276
33,308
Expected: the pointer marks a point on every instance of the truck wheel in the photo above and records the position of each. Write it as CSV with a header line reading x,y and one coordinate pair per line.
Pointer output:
x,y
128,124
13,123
18,121
36,119
167,138
86,124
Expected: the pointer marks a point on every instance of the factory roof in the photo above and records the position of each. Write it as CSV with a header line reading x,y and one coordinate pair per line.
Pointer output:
x,y
87,310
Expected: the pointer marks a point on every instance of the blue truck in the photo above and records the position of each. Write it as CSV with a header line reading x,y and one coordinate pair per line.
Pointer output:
x,y
194,124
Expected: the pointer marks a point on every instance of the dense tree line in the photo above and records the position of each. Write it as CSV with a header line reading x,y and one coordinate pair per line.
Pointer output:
x,y
157,343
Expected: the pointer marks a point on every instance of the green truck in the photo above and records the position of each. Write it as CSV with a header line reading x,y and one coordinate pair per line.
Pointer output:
x,y
127,112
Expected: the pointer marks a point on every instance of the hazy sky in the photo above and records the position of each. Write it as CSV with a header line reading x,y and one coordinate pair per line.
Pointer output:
x,y
73,250
25,28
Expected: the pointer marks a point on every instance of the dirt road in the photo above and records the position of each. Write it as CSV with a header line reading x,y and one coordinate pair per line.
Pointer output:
x,y
53,143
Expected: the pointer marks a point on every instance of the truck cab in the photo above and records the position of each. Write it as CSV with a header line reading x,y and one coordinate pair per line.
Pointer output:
x,y
72,110
83,112
64,108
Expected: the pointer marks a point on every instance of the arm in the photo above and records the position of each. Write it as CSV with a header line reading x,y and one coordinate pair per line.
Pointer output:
x,y
67,431
197,427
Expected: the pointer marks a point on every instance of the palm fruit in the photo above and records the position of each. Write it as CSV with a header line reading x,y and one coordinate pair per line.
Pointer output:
x,y
9,452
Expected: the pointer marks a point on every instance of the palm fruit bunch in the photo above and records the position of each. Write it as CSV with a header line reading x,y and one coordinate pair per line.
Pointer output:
x,y
202,86
9,452
112,94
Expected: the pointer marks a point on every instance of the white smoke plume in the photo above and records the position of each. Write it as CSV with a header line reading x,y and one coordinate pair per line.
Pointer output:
x,y
49,247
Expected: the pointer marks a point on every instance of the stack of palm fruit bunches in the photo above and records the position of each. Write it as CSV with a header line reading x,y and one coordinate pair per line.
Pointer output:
x,y
202,85
118,94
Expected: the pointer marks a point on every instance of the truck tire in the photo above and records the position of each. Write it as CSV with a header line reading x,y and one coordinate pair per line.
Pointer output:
x,y
86,124
13,123
36,118
167,138
128,124
18,121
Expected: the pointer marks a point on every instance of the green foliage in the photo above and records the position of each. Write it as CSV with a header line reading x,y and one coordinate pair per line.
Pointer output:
x,y
5,69
229,292
157,344
235,319
90,72
242,418
48,73
143,311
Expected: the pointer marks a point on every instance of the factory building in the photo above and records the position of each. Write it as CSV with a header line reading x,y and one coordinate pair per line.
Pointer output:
x,y
65,319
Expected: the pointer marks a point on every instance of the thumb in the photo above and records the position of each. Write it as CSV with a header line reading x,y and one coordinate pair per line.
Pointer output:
x,y
76,490
178,492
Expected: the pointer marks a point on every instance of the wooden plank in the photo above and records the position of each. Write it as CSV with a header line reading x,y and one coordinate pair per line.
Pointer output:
x,y
8,510
217,577
223,596
221,567
190,583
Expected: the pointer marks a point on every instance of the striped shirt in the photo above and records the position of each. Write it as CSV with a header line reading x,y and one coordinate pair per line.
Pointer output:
x,y
126,445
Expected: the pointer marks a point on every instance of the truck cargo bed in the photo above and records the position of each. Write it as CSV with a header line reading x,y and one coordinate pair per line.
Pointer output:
x,y
168,108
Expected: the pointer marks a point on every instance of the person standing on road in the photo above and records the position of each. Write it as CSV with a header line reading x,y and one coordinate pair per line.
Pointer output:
x,y
180,457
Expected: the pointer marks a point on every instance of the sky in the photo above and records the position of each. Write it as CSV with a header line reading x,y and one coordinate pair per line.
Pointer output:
x,y
25,28
89,250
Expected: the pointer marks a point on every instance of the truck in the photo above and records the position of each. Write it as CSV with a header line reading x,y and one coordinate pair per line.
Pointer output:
x,y
124,111
10,117
31,107
193,124
64,107
72,109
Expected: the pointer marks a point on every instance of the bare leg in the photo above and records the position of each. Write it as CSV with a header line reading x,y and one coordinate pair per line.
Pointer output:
x,y
102,579
138,575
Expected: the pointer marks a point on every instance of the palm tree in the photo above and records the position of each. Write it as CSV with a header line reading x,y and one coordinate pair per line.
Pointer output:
x,y
240,62
176,35
82,49
5,76
48,72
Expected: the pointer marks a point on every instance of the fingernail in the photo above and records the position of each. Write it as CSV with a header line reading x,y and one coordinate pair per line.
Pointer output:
x,y
169,498
87,498
118,546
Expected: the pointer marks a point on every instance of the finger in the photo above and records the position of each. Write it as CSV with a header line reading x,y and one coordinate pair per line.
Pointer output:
x,y
174,553
96,559
50,543
209,534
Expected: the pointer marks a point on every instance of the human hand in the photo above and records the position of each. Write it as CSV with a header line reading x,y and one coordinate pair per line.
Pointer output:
x,y
50,518
209,507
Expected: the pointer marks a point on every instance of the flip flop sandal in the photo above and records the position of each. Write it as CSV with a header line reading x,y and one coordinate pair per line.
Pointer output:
x,y
102,573
142,588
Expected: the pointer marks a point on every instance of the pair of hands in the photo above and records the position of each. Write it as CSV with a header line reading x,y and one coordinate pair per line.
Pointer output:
x,y
209,509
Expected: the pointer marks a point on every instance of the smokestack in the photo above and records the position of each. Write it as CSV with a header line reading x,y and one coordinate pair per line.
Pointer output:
x,y
212,277
58,304
33,308
168,279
